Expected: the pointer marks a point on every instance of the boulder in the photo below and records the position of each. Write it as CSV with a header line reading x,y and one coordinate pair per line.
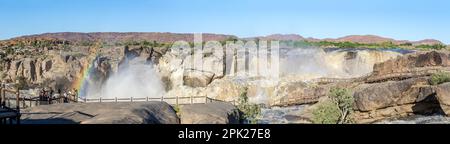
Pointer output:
x,y
381,95
301,91
196,78
411,65
443,96
209,113
184,66
101,113
226,89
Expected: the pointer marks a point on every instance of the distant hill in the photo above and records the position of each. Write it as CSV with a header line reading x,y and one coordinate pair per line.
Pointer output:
x,y
293,37
364,39
123,37
368,39
171,37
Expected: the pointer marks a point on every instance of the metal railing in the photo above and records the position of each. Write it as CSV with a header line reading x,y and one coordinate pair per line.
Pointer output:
x,y
170,100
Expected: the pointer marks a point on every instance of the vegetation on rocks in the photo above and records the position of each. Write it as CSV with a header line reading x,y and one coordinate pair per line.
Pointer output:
x,y
439,78
250,112
177,109
348,44
336,109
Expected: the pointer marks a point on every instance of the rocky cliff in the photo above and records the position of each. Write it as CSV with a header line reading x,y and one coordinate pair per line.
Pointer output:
x,y
400,87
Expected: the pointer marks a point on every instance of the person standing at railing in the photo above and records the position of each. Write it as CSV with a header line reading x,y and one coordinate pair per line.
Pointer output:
x,y
75,95
51,93
42,95
65,97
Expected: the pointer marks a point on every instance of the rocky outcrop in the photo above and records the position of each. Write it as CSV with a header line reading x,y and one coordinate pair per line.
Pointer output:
x,y
299,92
226,89
409,66
196,78
397,88
56,70
151,54
370,97
400,87
101,113
443,95
209,113
179,67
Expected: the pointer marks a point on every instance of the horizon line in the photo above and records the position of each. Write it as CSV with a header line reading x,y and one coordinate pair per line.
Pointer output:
x,y
238,36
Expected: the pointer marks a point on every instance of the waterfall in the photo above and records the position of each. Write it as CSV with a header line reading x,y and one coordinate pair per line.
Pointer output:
x,y
310,63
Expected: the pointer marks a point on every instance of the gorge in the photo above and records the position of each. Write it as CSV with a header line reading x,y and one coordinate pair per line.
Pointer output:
x,y
385,83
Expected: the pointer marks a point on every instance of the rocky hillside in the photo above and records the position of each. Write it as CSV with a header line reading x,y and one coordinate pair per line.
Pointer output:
x,y
116,37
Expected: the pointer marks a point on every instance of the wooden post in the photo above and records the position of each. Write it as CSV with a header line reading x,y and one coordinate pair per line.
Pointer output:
x,y
131,99
177,100
85,100
3,94
100,99
206,99
192,100
162,98
146,99
115,99
23,102
18,100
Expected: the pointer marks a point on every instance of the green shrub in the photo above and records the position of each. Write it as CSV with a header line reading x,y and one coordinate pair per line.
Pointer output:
x,y
249,112
336,109
326,112
432,47
177,109
439,78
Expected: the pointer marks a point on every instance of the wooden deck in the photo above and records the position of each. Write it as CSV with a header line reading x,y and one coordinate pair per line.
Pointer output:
x,y
7,114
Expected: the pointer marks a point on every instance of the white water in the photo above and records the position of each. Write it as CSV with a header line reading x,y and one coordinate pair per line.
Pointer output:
x,y
137,79
310,63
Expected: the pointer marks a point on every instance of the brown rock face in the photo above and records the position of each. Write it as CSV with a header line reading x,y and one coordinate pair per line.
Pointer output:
x,y
381,95
195,78
152,54
101,113
443,95
298,93
400,87
411,65
56,71
209,113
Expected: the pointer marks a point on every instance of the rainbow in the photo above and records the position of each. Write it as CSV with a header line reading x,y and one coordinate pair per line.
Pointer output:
x,y
82,79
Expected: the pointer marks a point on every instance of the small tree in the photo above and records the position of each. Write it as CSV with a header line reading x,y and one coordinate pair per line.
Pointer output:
x,y
336,109
326,112
439,78
250,112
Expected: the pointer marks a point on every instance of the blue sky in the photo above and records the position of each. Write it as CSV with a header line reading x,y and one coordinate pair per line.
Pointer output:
x,y
399,19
